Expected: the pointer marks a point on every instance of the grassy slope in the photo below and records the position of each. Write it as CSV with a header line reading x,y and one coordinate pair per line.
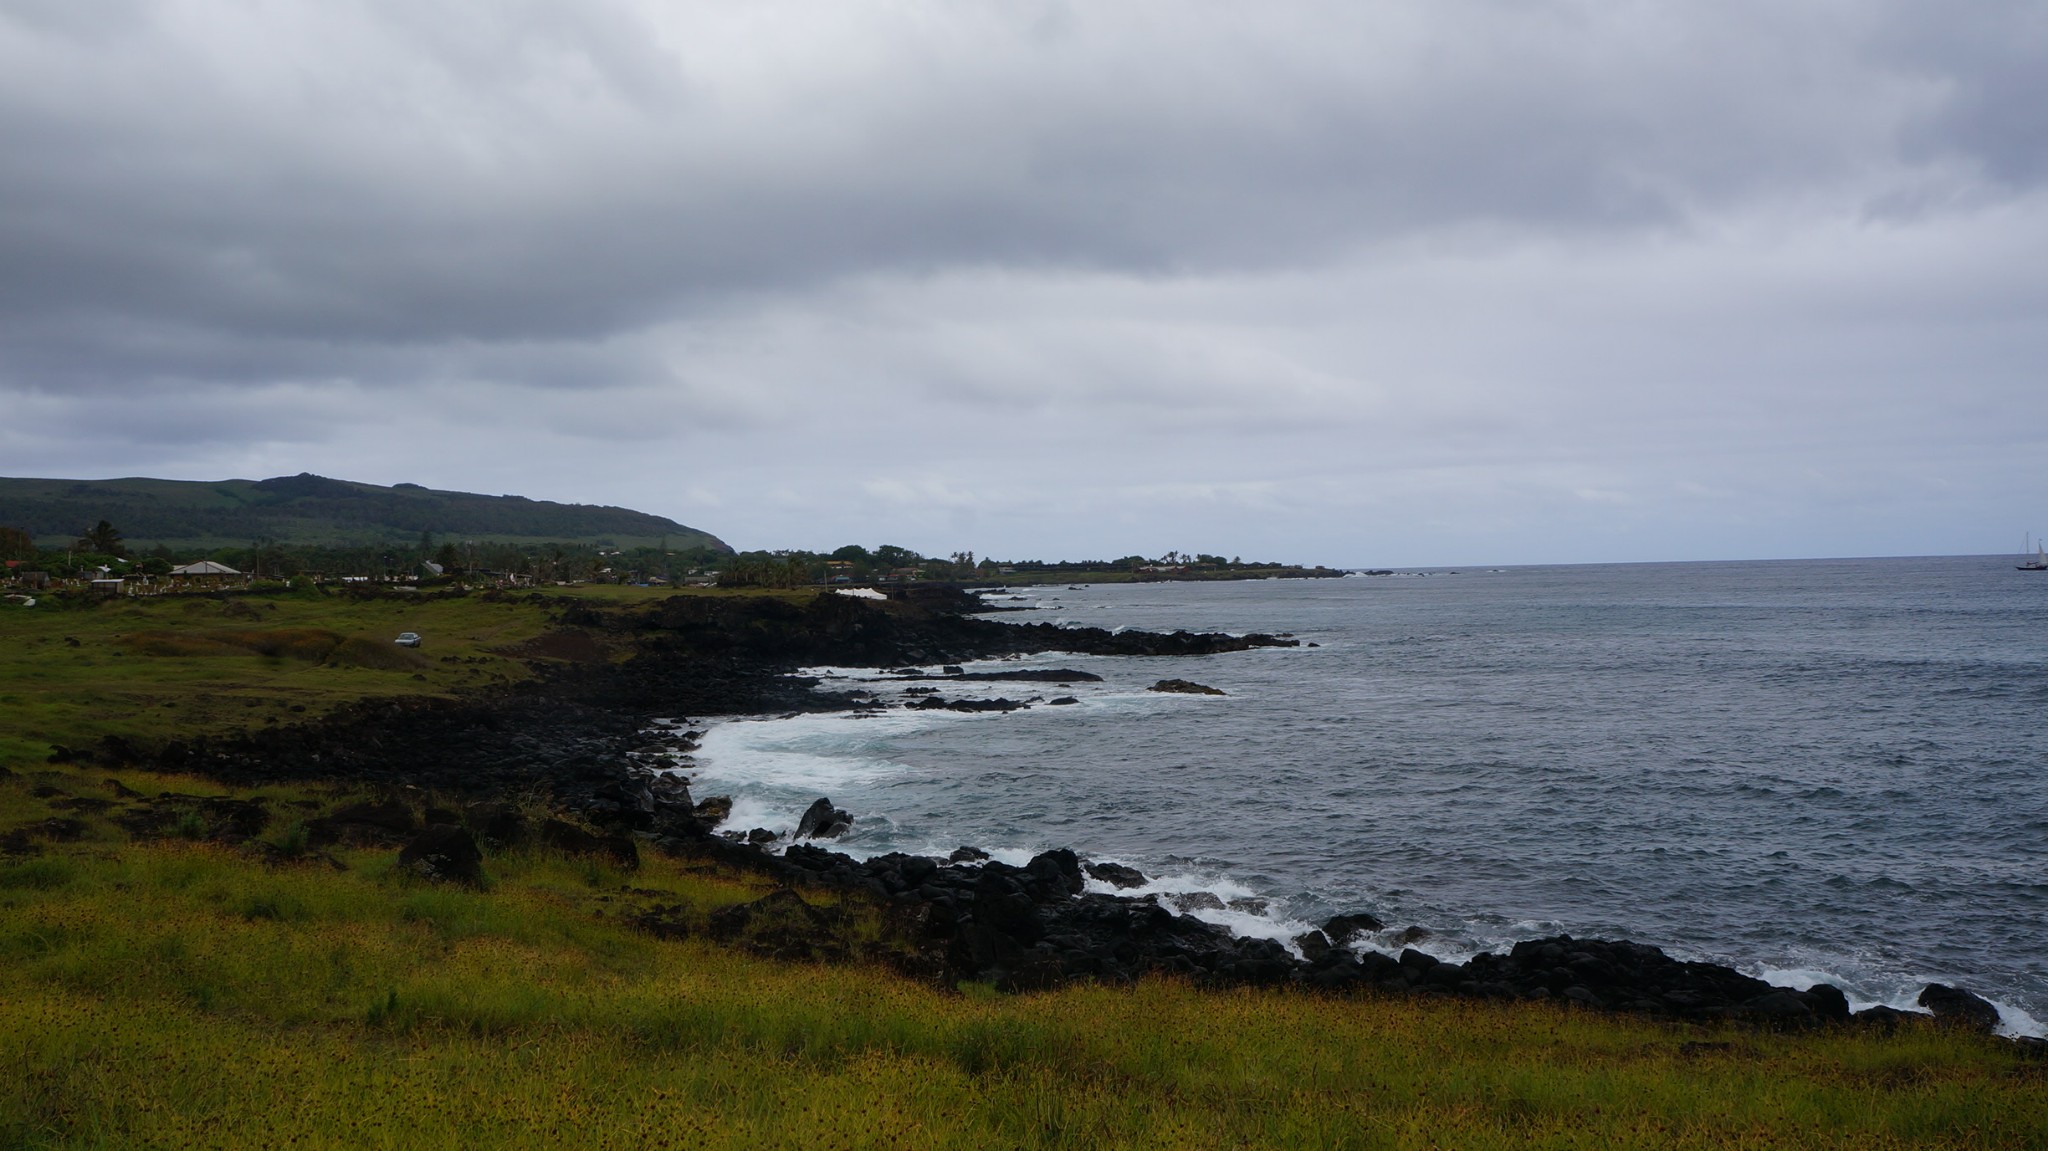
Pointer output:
x,y
312,510
180,993
154,669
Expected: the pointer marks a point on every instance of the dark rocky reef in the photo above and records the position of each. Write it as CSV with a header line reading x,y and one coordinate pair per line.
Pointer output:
x,y
490,746
1034,927
1186,687
940,703
916,627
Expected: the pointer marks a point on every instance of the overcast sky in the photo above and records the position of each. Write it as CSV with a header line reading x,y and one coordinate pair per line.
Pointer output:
x,y
1403,283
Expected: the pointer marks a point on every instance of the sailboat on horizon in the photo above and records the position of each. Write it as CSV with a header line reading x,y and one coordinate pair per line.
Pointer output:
x,y
2040,561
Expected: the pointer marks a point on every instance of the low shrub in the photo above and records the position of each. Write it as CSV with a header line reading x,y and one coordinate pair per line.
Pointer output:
x,y
294,840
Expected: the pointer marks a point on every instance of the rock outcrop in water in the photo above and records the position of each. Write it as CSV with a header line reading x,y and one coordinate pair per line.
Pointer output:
x,y
823,821
1186,687
1961,1008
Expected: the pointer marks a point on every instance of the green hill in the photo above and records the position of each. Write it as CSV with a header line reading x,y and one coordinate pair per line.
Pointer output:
x,y
312,510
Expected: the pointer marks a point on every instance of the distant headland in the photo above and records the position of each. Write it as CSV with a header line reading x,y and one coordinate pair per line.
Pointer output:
x,y
306,510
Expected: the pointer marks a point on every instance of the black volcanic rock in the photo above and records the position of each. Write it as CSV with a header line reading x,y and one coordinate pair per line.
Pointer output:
x,y
1185,687
1314,946
1057,870
501,825
1882,1018
1782,1005
1027,927
781,925
444,853
823,821
937,703
569,839
387,822
1829,1002
1959,1008
1342,929
1117,875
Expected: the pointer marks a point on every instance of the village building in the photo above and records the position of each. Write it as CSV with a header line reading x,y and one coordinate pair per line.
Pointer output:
x,y
205,572
205,568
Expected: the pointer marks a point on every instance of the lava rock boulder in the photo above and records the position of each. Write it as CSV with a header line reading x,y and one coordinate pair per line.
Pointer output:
x,y
444,853
821,820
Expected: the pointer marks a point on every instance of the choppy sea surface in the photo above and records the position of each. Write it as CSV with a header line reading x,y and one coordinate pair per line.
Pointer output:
x,y
1811,770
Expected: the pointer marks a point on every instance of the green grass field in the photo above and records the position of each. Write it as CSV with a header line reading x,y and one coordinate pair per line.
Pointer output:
x,y
171,666
160,989
158,668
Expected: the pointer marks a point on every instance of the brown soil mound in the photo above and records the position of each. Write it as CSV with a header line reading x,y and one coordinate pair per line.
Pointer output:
x,y
379,654
288,642
572,645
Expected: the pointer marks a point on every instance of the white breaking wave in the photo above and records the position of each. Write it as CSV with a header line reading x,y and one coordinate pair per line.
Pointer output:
x,y
773,768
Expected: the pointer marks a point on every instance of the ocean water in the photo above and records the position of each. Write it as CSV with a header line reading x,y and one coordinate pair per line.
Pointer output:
x,y
1805,769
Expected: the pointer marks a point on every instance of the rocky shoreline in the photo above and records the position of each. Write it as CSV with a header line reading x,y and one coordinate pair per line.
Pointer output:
x,y
1034,927
584,740
972,918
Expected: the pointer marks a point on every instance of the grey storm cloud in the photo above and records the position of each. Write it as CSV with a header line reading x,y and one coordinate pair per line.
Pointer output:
x,y
1553,236
504,171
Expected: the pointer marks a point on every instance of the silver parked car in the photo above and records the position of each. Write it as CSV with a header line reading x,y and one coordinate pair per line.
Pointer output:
x,y
408,639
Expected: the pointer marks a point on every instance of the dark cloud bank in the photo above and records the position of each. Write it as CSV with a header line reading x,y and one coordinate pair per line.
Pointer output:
x,y
1401,283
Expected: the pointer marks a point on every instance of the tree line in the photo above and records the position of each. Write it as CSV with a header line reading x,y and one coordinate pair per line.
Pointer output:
x,y
102,546
890,563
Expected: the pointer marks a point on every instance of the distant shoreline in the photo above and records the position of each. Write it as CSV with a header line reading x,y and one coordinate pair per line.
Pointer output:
x,y
1228,575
